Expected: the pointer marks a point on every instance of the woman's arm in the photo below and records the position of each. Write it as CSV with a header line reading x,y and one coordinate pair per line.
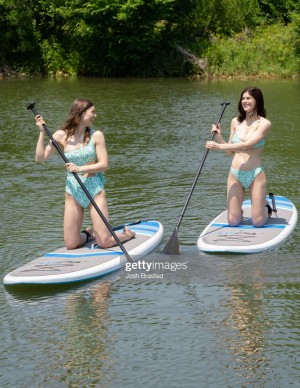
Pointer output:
x,y
219,139
42,153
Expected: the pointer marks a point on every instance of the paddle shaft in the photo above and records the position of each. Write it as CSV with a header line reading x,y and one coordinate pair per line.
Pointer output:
x,y
122,226
56,145
224,105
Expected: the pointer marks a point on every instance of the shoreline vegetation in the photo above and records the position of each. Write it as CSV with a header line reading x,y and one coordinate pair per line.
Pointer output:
x,y
219,39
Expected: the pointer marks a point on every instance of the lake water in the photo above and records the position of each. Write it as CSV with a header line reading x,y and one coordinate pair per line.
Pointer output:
x,y
225,321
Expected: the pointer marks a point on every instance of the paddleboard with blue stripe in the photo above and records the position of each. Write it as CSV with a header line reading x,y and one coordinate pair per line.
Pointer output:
x,y
218,236
64,266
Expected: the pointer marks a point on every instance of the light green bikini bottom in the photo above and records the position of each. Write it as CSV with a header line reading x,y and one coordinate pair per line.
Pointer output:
x,y
246,177
94,184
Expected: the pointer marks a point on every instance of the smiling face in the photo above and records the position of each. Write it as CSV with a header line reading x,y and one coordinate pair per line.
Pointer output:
x,y
248,103
88,116
251,103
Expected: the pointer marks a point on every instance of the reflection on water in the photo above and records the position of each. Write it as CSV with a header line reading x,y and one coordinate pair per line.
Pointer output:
x,y
74,339
247,324
86,351
229,320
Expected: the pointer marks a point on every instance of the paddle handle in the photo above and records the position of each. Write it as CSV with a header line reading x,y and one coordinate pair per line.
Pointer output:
x,y
56,145
224,106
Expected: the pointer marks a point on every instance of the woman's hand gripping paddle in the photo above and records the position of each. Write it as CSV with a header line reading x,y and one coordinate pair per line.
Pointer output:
x,y
172,246
56,145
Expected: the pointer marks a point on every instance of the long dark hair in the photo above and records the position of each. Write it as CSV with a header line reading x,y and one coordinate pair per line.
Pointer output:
x,y
259,109
78,107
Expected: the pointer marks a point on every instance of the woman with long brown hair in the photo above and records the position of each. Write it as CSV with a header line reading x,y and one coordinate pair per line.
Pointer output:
x,y
247,139
86,152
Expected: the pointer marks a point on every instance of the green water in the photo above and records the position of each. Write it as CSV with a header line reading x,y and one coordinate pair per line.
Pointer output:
x,y
227,321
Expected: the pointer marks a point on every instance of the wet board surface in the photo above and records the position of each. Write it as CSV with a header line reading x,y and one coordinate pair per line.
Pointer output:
x,y
218,236
64,266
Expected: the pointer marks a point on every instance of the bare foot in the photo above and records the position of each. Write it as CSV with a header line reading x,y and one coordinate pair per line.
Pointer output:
x,y
91,233
128,233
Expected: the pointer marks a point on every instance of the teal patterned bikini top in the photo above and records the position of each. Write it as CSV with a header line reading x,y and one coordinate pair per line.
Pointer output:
x,y
84,155
236,139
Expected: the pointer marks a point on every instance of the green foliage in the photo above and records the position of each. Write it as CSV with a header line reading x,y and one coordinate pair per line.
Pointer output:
x,y
265,51
278,11
19,46
57,59
141,37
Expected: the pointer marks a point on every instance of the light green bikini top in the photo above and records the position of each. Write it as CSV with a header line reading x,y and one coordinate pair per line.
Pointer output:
x,y
236,139
84,155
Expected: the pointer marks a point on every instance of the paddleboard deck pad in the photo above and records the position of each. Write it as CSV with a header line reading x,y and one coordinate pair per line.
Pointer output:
x,y
64,266
218,236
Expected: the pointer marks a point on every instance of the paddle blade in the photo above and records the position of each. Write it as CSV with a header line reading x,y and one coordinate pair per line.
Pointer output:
x,y
172,246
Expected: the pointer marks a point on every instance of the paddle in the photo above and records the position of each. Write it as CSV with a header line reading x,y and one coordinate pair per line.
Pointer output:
x,y
172,246
56,145
122,226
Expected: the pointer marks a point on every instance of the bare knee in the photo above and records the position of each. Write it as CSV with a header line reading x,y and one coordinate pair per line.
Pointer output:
x,y
104,242
71,246
259,218
259,221
234,219
72,243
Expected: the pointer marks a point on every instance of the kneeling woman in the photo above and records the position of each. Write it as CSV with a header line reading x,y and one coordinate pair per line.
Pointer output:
x,y
87,155
247,138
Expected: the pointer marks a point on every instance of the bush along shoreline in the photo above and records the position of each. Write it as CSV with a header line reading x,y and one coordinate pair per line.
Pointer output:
x,y
154,38
269,52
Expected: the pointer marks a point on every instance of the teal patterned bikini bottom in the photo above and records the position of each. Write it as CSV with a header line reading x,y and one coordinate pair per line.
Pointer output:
x,y
94,184
246,177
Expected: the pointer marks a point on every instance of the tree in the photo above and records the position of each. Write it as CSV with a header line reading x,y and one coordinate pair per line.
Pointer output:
x,y
19,46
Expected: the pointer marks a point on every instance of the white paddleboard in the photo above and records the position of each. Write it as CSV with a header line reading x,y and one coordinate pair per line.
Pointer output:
x,y
64,266
218,236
